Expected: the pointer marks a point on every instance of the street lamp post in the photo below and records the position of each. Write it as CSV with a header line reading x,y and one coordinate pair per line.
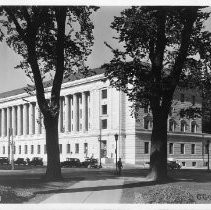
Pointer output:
x,y
99,139
116,139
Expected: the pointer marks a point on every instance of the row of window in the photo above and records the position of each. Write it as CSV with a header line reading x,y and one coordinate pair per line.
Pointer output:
x,y
171,148
172,125
182,99
104,110
38,151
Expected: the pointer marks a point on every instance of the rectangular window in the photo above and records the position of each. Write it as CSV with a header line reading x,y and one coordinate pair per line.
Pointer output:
x,y
183,164
26,149
193,100
76,148
32,149
193,164
192,149
206,149
45,149
19,149
171,148
72,114
104,109
38,149
68,148
146,147
80,127
104,124
104,93
182,97
80,113
182,149
85,148
60,148
14,149
3,150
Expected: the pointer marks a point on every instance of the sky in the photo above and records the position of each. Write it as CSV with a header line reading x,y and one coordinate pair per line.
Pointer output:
x,y
11,78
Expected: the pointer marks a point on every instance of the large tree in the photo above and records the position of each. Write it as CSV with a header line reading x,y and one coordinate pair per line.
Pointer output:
x,y
157,43
52,41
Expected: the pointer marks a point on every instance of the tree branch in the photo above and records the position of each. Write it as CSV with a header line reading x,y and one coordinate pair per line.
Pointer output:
x,y
17,25
191,15
58,78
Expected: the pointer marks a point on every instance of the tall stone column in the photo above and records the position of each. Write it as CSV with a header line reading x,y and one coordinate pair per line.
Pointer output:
x,y
14,118
3,122
37,119
67,115
43,125
25,121
19,123
8,120
0,122
84,111
88,111
31,118
75,113
71,114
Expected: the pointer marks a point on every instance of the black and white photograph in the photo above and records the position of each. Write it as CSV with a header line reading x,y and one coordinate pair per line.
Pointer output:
x,y
105,104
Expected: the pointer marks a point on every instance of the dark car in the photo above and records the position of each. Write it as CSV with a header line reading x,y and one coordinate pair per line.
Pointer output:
x,y
20,161
90,163
173,165
4,161
71,162
36,161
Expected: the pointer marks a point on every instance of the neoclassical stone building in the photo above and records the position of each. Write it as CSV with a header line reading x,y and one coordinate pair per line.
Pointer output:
x,y
92,112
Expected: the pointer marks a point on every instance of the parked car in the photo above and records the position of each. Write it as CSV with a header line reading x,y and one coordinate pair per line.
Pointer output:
x,y
71,162
36,161
20,161
90,163
4,161
173,165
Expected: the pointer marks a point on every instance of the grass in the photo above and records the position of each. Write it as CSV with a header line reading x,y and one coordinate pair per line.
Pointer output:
x,y
189,186
25,184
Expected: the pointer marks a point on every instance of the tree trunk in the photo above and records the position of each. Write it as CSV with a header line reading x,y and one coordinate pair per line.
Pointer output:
x,y
53,171
158,154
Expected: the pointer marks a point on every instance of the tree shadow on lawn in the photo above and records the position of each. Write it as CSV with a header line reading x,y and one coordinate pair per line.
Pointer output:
x,y
98,188
191,175
36,183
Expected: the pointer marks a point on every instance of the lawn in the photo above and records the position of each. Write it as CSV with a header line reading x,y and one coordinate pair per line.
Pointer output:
x,y
24,184
187,186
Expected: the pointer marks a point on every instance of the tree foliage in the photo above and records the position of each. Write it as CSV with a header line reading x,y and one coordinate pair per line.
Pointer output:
x,y
158,43
26,27
54,39
131,69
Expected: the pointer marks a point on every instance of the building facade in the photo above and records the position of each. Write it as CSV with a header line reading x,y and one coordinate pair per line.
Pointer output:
x,y
91,113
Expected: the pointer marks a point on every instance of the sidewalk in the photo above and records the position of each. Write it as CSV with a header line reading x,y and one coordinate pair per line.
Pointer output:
x,y
90,191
